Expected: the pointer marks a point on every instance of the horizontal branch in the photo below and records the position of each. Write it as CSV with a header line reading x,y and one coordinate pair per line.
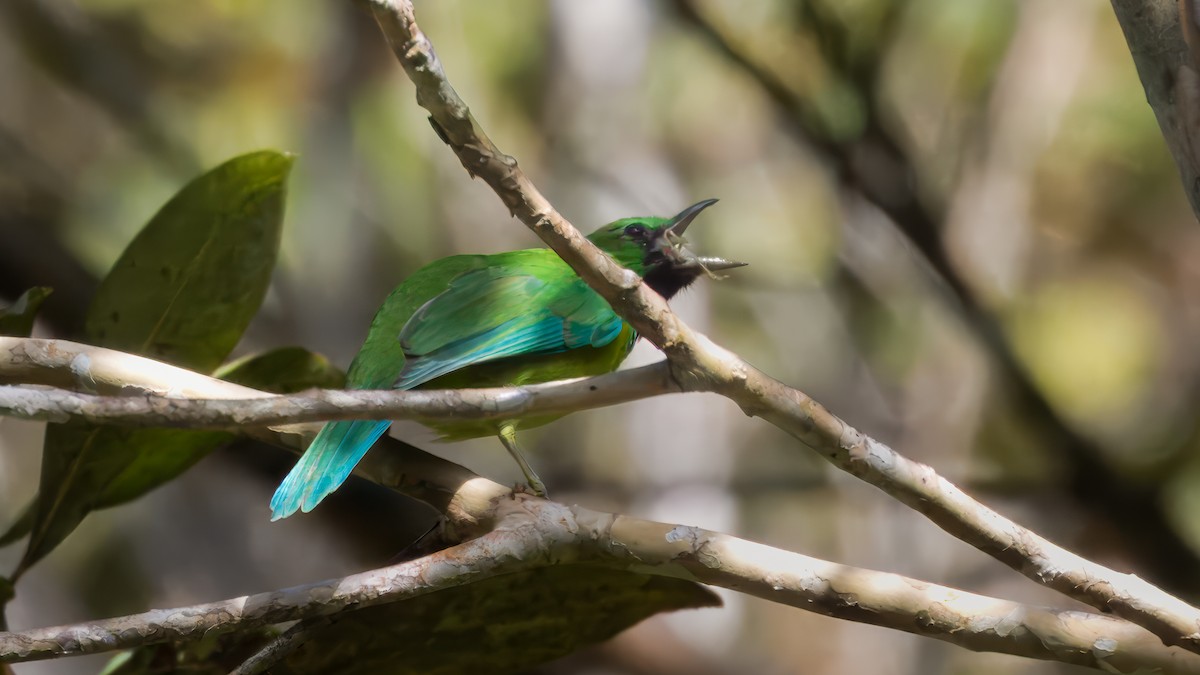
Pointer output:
x,y
698,365
501,403
80,367
472,561
453,490
533,533
970,620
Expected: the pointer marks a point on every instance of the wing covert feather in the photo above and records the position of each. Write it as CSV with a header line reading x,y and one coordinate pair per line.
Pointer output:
x,y
503,311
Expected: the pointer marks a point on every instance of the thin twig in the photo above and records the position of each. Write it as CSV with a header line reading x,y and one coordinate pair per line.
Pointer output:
x,y
279,648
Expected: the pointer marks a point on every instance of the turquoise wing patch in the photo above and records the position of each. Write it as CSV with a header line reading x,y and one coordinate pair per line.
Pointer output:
x,y
493,313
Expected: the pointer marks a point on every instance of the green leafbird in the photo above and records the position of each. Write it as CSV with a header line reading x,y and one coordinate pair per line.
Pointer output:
x,y
506,319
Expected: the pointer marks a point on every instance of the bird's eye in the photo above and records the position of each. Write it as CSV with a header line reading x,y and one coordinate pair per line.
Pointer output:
x,y
636,230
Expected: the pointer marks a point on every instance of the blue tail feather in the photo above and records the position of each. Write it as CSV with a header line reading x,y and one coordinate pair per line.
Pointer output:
x,y
326,464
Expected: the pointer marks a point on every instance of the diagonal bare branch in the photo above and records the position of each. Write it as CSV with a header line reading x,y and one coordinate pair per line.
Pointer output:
x,y
697,364
876,165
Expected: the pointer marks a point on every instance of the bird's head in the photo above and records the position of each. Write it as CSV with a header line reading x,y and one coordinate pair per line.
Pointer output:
x,y
656,250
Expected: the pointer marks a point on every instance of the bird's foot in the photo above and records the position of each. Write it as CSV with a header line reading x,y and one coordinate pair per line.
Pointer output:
x,y
538,490
508,436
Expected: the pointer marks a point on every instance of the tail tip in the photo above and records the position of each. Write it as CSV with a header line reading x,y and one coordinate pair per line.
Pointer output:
x,y
282,505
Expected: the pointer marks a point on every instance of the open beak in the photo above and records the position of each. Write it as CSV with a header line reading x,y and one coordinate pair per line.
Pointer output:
x,y
680,222
685,258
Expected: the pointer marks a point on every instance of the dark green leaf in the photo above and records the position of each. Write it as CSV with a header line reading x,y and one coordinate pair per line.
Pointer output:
x,y
183,291
163,454
156,456
17,319
284,371
6,594
152,457
189,283
501,625
96,467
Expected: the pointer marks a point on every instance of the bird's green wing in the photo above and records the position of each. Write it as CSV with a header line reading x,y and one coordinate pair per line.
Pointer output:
x,y
339,446
529,305
381,357
451,314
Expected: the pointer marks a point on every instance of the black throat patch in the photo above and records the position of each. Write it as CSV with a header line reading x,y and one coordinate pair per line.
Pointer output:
x,y
667,280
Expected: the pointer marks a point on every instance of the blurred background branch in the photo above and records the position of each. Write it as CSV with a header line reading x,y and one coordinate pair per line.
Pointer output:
x,y
874,164
1162,37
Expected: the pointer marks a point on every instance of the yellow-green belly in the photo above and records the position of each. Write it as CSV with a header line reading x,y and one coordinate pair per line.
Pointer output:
x,y
581,362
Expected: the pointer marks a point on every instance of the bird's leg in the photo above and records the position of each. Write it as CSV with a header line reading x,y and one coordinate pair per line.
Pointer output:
x,y
508,436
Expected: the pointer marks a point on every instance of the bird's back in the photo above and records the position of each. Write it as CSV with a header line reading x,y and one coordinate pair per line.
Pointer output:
x,y
559,293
